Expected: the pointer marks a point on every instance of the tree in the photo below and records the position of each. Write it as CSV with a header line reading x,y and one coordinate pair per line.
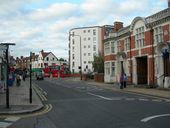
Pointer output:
x,y
98,64
61,59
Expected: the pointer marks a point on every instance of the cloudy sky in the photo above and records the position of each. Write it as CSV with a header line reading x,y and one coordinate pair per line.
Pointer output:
x,y
34,25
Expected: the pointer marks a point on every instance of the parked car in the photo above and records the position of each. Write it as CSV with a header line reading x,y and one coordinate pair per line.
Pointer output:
x,y
39,76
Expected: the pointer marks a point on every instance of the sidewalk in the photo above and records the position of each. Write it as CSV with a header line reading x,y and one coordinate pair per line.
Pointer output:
x,y
19,100
157,92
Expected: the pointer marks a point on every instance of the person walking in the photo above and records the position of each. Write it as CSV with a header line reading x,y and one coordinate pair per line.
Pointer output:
x,y
124,80
121,81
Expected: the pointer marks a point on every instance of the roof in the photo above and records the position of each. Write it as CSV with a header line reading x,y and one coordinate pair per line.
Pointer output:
x,y
44,54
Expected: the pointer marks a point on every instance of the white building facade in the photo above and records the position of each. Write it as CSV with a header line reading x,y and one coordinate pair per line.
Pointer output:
x,y
84,43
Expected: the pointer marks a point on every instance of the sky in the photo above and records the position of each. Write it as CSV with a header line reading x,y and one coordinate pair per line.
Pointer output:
x,y
34,25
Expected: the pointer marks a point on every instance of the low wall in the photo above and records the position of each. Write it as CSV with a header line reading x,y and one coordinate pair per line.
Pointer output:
x,y
99,77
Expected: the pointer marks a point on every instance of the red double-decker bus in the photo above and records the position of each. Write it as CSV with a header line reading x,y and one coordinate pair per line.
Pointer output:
x,y
56,71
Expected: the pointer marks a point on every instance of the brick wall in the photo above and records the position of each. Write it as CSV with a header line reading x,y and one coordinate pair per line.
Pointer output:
x,y
110,57
166,33
132,42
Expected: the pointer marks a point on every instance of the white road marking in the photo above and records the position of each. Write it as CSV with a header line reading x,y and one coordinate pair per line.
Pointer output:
x,y
117,98
4,124
152,117
12,118
167,100
106,98
142,99
129,99
156,100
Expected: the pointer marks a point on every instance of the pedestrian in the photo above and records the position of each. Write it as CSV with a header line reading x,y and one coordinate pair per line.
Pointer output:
x,y
124,80
18,80
121,81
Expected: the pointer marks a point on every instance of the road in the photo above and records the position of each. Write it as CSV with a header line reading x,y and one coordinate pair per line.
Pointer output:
x,y
76,104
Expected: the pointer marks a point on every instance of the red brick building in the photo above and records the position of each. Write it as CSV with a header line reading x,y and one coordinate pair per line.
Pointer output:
x,y
141,50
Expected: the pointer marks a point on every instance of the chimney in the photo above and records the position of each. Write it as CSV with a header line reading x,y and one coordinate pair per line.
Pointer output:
x,y
168,3
118,25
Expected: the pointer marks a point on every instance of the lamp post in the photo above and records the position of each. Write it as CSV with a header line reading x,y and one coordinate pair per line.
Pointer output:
x,y
30,77
80,67
6,46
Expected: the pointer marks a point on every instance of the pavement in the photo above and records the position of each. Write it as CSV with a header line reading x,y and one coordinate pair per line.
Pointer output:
x,y
19,96
155,92
19,100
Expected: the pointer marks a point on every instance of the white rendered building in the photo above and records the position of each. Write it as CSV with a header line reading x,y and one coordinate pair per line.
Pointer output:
x,y
84,43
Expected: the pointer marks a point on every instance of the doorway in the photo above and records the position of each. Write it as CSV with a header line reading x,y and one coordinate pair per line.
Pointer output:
x,y
142,70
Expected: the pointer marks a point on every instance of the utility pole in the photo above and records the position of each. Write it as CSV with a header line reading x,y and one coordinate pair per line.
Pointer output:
x,y
7,71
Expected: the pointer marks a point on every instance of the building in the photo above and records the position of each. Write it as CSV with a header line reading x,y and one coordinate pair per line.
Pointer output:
x,y
84,43
141,50
39,61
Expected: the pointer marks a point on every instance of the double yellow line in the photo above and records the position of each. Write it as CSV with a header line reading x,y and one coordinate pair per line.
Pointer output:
x,y
40,93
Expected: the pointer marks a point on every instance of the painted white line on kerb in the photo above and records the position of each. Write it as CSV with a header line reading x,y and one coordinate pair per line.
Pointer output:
x,y
106,98
12,118
152,117
4,124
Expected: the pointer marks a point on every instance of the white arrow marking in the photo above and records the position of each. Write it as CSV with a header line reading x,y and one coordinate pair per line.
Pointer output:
x,y
152,117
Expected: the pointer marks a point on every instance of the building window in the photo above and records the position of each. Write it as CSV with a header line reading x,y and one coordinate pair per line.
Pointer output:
x,y
47,59
94,32
88,46
53,59
127,44
88,54
73,64
73,56
94,38
73,49
118,46
88,31
158,34
84,31
84,39
113,69
107,68
88,38
84,54
84,46
94,47
139,37
84,62
73,41
107,48
112,47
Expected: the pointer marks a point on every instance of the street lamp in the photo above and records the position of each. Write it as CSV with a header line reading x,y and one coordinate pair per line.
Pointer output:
x,y
80,67
6,47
